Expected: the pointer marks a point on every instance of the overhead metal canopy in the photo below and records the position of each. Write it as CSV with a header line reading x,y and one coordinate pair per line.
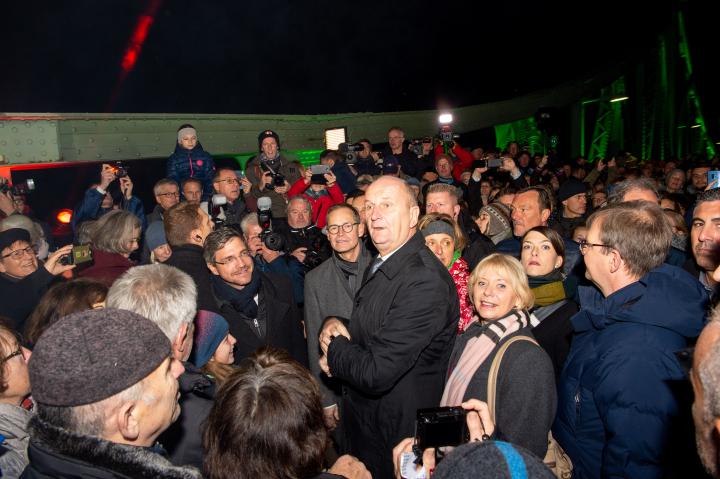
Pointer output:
x,y
75,137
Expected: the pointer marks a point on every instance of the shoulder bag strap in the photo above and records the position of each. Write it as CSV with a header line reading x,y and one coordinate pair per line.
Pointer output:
x,y
495,368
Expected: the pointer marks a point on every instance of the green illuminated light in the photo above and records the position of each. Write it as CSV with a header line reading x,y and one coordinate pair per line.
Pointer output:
x,y
695,126
619,98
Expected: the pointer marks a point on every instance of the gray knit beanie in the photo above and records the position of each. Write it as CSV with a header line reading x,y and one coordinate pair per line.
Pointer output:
x,y
92,355
499,219
491,459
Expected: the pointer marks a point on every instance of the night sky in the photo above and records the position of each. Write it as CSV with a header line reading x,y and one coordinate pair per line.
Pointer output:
x,y
294,57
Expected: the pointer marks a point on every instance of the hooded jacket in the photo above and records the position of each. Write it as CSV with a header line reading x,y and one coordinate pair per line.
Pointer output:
x,y
618,405
195,163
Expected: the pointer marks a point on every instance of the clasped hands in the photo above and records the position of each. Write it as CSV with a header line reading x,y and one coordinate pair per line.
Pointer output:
x,y
332,328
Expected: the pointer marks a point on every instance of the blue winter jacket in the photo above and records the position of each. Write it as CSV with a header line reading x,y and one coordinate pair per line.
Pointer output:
x,y
195,163
90,209
616,406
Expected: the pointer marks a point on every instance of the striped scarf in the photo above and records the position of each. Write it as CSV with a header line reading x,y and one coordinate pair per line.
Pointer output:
x,y
477,350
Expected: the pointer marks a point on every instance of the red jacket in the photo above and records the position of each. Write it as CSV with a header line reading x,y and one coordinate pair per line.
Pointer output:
x,y
321,204
462,159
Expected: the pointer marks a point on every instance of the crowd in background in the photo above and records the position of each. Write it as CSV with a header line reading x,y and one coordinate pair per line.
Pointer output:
x,y
285,320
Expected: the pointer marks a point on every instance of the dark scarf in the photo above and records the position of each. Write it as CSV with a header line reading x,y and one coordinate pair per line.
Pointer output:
x,y
350,270
552,287
242,300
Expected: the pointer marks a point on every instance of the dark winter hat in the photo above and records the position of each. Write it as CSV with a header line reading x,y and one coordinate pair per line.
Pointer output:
x,y
268,134
570,188
92,355
155,235
8,237
210,331
390,165
491,459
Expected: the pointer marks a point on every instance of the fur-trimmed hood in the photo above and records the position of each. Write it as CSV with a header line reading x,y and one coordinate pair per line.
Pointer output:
x,y
55,452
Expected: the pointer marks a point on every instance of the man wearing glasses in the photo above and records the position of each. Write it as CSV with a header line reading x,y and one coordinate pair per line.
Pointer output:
x,y
618,404
329,291
259,307
22,281
228,184
167,195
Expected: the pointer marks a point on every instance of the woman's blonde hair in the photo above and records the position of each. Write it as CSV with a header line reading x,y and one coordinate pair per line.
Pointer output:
x,y
510,269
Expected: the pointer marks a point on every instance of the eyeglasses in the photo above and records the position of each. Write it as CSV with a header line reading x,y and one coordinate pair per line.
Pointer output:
x,y
233,260
346,227
168,195
18,253
229,181
584,245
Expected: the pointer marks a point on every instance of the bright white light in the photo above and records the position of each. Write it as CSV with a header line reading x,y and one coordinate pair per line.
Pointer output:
x,y
445,118
695,126
618,98
335,136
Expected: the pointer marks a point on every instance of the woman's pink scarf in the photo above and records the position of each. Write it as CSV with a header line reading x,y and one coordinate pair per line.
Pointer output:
x,y
477,350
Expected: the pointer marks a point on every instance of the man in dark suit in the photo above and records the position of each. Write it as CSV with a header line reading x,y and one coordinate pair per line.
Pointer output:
x,y
330,289
259,307
392,354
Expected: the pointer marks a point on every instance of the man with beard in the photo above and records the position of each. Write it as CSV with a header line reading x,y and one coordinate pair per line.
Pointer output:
x,y
705,242
705,379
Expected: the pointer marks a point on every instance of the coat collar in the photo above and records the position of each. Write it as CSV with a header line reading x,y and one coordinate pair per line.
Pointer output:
x,y
82,452
397,261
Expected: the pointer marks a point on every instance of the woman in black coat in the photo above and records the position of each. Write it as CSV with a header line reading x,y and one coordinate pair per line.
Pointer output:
x,y
542,254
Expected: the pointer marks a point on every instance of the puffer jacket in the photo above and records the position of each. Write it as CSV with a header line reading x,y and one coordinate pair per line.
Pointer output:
x,y
195,163
618,401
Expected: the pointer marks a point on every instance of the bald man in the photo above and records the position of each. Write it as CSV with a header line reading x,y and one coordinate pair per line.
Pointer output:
x,y
392,354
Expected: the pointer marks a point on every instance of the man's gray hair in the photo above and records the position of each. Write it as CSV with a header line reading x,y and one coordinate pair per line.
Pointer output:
x,y
624,187
88,419
163,294
163,182
709,195
305,201
250,219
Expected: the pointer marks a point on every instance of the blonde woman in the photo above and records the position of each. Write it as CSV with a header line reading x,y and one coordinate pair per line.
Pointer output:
x,y
525,398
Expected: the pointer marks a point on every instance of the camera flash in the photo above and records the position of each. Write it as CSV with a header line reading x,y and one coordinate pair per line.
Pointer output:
x,y
445,118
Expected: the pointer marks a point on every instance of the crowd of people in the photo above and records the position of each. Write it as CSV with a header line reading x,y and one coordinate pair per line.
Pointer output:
x,y
293,321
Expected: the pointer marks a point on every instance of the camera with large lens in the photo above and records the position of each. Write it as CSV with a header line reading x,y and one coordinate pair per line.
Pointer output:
x,y
272,241
27,186
349,152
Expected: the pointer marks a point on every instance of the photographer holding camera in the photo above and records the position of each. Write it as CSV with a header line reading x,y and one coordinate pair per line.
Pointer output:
x,y
303,239
270,174
321,190
99,199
